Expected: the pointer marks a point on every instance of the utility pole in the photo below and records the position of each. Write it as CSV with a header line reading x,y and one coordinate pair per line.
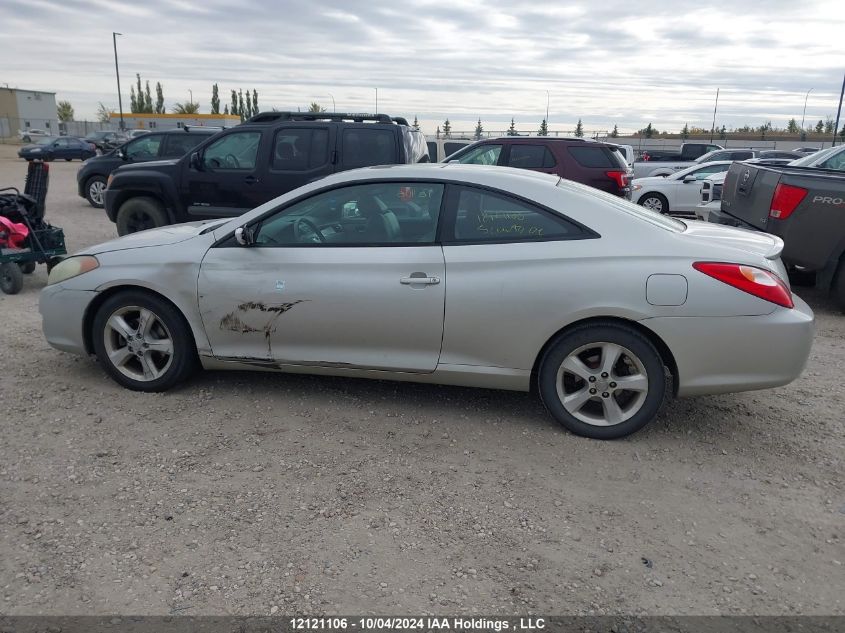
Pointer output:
x,y
117,73
376,100
547,108
713,125
838,112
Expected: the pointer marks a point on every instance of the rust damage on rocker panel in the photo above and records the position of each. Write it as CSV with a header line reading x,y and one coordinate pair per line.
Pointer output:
x,y
233,320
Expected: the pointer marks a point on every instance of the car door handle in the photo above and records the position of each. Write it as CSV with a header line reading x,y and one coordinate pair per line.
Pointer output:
x,y
250,180
428,281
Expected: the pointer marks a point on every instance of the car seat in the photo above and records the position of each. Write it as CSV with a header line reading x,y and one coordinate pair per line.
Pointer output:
x,y
382,224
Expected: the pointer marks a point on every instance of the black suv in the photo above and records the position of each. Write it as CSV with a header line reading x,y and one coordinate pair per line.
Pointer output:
x,y
241,168
104,140
92,176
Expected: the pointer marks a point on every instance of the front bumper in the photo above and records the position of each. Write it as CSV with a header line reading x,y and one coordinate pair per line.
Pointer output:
x,y
740,353
63,315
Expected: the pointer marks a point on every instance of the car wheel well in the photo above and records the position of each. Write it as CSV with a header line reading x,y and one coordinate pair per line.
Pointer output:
x,y
128,195
94,306
665,353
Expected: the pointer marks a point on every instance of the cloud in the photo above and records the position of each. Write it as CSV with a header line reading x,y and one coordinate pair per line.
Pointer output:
x,y
609,62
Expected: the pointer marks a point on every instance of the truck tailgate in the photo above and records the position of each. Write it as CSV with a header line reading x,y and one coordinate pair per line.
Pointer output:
x,y
747,194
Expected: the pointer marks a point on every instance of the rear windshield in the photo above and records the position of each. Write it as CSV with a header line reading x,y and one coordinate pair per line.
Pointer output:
x,y
596,157
653,217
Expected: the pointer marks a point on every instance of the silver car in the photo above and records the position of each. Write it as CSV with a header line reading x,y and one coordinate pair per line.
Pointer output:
x,y
453,274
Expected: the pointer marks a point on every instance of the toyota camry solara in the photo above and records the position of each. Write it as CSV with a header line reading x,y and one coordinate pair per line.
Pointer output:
x,y
453,274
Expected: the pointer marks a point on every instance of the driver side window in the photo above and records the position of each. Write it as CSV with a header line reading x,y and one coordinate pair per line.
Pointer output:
x,y
145,148
235,151
374,214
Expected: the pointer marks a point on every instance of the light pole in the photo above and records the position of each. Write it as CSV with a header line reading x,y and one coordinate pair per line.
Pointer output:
x,y
547,109
376,100
713,125
191,92
805,109
333,106
117,73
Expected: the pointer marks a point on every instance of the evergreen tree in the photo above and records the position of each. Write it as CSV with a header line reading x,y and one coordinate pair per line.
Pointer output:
x,y
159,98
148,100
133,100
315,108
140,101
215,100
820,127
512,129
685,132
615,132
254,102
544,129
226,109
649,131
447,128
828,125
792,126
478,130
416,125
234,108
579,129
241,107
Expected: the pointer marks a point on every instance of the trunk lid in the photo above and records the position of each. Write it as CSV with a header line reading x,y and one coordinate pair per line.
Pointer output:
x,y
754,242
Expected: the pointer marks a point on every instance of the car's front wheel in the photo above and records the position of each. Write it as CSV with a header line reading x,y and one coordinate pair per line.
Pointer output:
x,y
602,381
140,214
143,342
655,202
94,190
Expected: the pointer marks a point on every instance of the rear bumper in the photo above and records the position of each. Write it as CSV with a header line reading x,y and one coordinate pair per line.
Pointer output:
x,y
742,353
717,216
62,317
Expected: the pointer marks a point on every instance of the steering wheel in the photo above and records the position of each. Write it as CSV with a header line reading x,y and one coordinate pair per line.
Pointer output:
x,y
304,230
232,160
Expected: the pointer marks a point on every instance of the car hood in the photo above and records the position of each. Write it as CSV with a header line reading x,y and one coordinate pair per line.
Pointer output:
x,y
148,165
650,180
163,236
754,242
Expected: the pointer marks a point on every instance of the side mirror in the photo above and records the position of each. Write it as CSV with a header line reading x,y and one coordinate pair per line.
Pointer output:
x,y
689,179
121,154
195,162
245,236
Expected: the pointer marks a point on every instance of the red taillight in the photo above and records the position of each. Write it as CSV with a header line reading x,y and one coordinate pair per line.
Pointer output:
x,y
755,281
785,200
621,177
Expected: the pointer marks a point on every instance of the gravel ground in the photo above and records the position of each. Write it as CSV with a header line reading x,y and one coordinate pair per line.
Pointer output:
x,y
263,493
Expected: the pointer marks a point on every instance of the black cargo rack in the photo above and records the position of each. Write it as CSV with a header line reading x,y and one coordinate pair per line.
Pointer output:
x,y
188,128
275,117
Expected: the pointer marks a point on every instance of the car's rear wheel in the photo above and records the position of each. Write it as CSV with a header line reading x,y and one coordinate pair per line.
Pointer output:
x,y
94,190
656,202
140,214
143,342
602,381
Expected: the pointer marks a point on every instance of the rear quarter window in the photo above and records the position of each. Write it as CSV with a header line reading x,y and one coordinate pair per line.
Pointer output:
x,y
596,157
363,148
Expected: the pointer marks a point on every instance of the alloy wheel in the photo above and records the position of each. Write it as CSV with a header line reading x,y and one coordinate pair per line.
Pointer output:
x,y
95,191
602,384
138,343
654,203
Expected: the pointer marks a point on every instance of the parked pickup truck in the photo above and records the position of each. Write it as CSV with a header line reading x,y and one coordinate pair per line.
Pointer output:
x,y
804,206
663,163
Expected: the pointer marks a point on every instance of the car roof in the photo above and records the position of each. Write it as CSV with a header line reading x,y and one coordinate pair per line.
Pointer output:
x,y
488,175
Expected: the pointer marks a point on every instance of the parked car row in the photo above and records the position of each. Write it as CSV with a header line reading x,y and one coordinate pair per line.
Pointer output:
x,y
58,147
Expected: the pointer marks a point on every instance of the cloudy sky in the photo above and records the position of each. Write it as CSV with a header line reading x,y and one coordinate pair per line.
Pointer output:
x,y
606,61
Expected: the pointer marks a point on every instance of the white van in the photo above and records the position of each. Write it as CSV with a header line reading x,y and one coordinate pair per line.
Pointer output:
x,y
440,148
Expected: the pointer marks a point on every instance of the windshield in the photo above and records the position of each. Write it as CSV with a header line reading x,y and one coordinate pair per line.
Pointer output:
x,y
652,217
96,135
819,157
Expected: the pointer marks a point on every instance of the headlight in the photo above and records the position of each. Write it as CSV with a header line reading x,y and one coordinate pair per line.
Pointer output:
x,y
72,267
636,187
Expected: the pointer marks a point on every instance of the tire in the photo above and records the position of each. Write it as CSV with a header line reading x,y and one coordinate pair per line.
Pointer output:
x,y
11,278
68,159
27,268
140,214
95,198
838,289
593,414
655,201
131,362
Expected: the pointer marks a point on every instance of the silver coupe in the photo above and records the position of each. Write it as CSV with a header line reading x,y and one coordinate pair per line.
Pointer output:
x,y
453,274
